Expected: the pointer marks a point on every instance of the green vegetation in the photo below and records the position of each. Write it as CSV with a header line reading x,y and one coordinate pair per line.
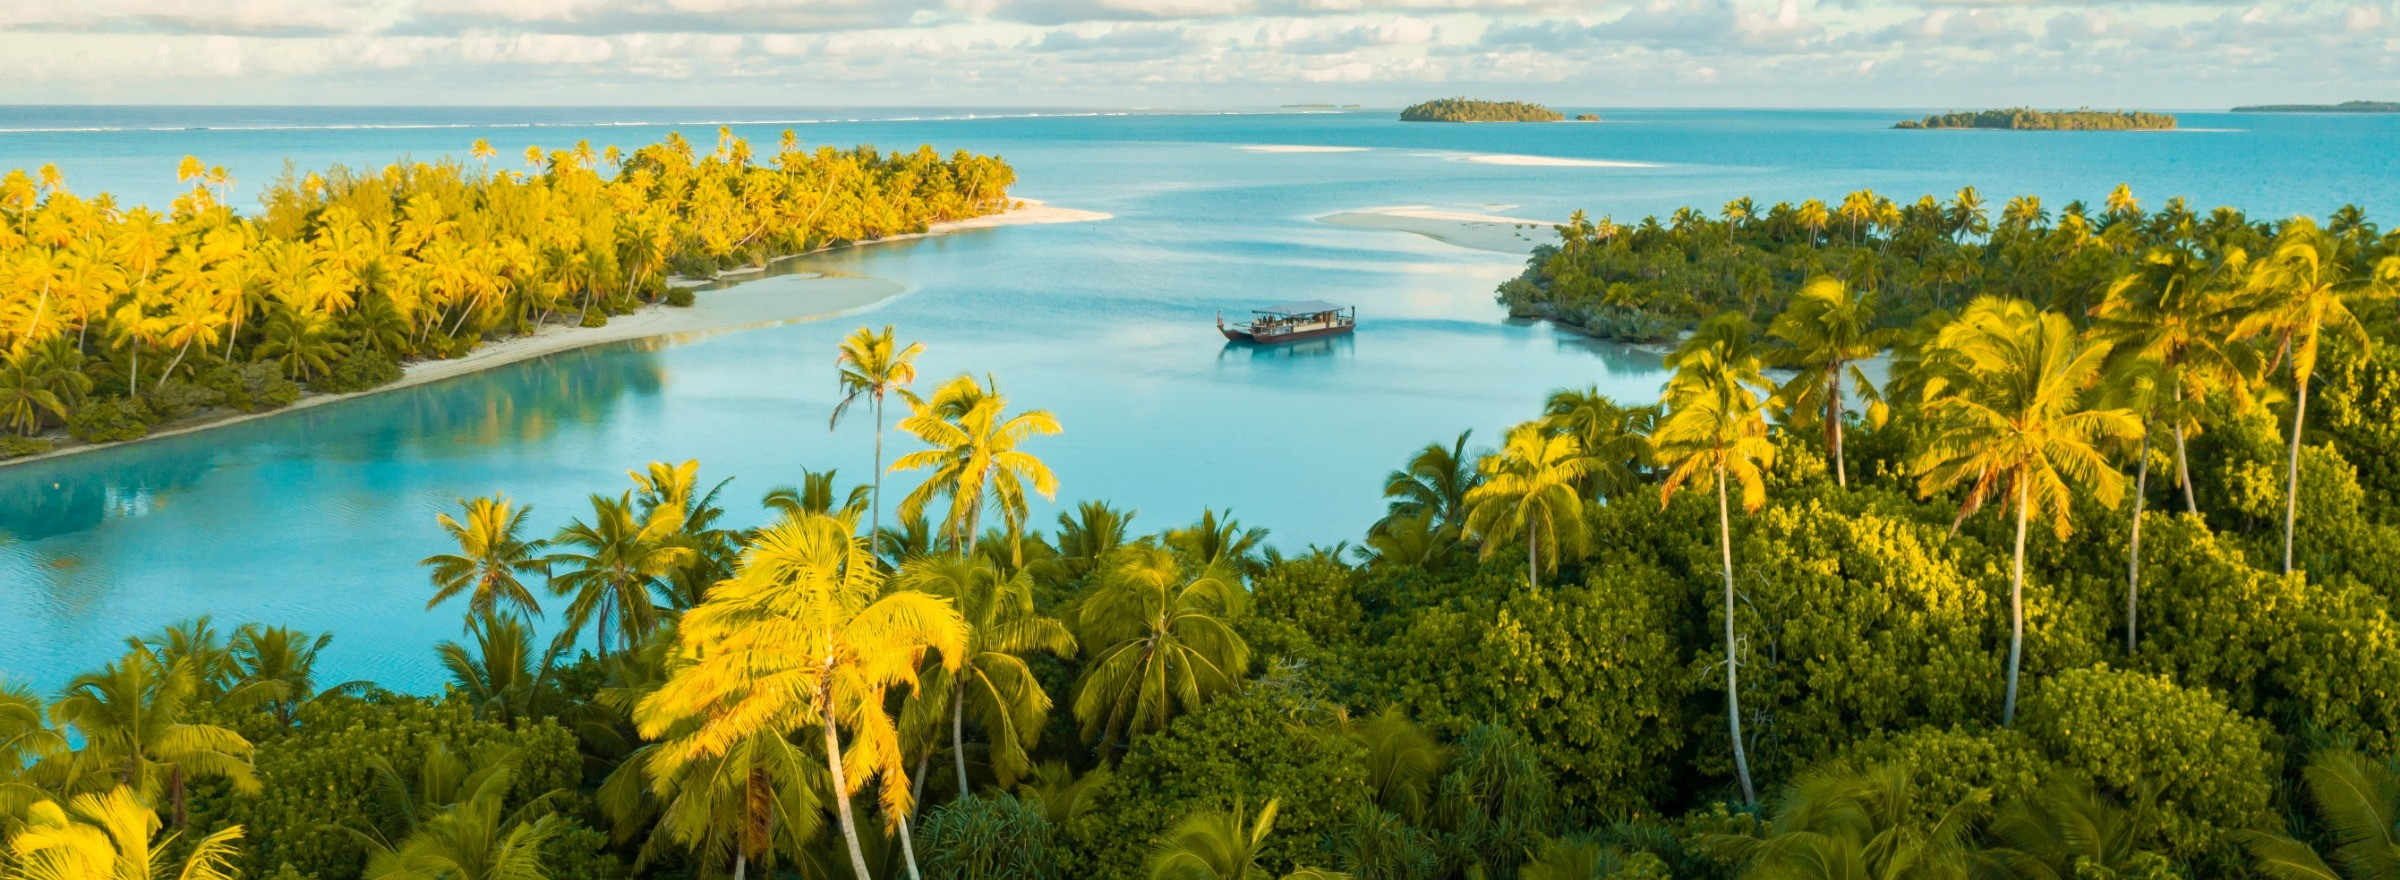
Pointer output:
x,y
1471,110
113,320
1900,620
2029,119
2343,107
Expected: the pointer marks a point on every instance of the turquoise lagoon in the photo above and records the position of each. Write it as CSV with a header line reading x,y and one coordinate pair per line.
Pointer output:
x,y
317,518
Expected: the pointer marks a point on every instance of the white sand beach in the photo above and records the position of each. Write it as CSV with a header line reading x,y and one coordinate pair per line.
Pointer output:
x,y
781,299
1467,229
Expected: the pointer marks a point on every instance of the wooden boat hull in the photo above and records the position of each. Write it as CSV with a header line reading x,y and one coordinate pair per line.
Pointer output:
x,y
1237,334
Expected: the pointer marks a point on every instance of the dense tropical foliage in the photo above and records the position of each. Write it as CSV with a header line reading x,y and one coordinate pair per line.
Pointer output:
x,y
1472,110
115,318
2029,119
1658,638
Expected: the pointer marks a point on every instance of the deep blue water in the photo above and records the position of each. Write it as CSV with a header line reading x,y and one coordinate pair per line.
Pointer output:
x,y
317,518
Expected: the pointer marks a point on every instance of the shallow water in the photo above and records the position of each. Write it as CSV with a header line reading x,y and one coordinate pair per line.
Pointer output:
x,y
317,518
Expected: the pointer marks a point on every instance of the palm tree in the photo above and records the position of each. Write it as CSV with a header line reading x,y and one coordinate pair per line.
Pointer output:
x,y
614,570
991,673
873,365
1210,845
2070,830
500,675
1716,432
490,557
1436,480
2358,800
2301,293
1615,438
474,838
1087,536
1155,643
1839,825
130,716
1825,332
2009,412
816,494
803,636
975,458
277,666
758,800
1528,490
115,835
2174,313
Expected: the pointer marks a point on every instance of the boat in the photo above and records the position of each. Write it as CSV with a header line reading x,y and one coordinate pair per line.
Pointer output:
x,y
1291,322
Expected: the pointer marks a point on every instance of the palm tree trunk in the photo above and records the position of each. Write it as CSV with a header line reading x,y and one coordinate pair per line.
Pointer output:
x,y
2183,469
841,786
1533,565
741,864
908,848
178,796
1833,425
2016,611
2133,565
958,730
1733,691
877,525
171,365
2291,489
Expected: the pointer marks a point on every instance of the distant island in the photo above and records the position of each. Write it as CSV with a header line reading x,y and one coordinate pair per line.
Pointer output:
x,y
1587,117
2343,107
2029,119
1469,110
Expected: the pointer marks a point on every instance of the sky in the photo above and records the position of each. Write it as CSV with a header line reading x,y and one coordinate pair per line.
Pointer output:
x,y
1936,54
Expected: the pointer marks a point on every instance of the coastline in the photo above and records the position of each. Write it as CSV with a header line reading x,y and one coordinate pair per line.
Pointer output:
x,y
739,305
1516,236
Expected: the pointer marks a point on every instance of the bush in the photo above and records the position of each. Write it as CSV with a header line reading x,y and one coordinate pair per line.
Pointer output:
x,y
1589,674
681,297
15,445
358,371
1248,746
179,399
2210,768
979,838
253,386
109,421
1951,762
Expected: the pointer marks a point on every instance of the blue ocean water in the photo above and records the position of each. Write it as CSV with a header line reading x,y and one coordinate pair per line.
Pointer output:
x,y
317,518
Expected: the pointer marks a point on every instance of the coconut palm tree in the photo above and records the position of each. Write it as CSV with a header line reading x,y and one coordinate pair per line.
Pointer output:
x,y
491,555
615,567
1155,643
1836,825
1528,491
757,801
277,666
2069,830
131,715
1436,481
500,675
1086,537
1211,845
1715,433
1615,438
803,636
2176,311
991,675
976,459
1825,332
115,835
2010,411
2358,801
2301,292
873,365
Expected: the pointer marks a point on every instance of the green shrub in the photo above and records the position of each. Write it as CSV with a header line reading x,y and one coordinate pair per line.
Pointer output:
x,y
109,421
2211,769
16,445
253,386
1251,746
180,399
1951,762
357,371
681,297
985,838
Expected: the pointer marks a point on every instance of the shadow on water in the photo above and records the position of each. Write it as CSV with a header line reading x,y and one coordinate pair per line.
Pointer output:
x,y
1341,346
514,405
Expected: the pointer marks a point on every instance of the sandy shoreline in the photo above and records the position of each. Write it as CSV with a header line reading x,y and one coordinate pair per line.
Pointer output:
x,y
1467,229
751,302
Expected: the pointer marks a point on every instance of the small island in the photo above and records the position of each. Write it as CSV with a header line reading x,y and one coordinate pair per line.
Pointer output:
x,y
1587,117
1470,110
2343,107
2029,119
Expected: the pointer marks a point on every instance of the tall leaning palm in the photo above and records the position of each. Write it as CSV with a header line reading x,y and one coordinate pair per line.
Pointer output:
x,y
1529,491
1715,433
2303,291
2010,413
992,679
975,457
803,637
873,365
491,556
1825,332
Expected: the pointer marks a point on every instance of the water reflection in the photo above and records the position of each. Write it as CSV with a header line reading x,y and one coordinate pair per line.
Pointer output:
x,y
1306,348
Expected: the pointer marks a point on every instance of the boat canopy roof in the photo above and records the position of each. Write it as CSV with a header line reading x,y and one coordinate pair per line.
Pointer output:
x,y
1302,307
